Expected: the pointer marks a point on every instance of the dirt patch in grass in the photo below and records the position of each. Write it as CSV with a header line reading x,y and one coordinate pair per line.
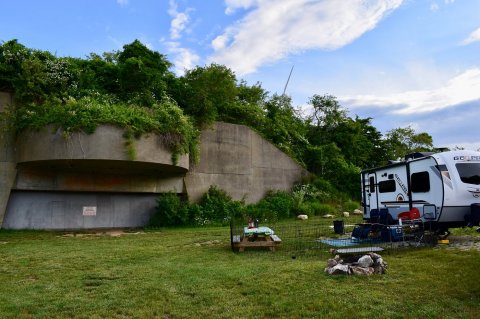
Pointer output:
x,y
462,243
109,232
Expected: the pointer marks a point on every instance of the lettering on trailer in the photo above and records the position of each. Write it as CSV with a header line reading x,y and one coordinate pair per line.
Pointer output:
x,y
399,181
466,158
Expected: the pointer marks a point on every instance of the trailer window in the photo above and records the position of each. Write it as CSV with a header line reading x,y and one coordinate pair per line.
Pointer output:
x,y
387,186
469,172
420,182
372,184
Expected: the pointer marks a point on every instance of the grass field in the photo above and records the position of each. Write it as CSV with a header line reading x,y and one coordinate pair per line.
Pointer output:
x,y
192,273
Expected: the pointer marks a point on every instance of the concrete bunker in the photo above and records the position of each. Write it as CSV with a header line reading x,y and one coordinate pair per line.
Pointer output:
x,y
88,180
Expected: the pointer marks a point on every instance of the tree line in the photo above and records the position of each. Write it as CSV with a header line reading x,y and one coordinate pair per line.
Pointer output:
x,y
135,88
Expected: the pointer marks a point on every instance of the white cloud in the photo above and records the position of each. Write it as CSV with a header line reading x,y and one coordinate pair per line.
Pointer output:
x,y
220,42
184,59
473,37
233,5
122,3
179,21
460,89
276,28
434,7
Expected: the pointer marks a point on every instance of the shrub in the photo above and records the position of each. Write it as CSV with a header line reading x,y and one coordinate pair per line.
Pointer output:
x,y
280,202
217,206
350,206
261,211
322,209
167,120
170,211
305,208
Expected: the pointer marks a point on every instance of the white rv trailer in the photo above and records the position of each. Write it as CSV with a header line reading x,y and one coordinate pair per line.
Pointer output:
x,y
444,187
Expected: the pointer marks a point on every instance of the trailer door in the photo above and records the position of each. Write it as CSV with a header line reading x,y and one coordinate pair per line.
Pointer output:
x,y
372,196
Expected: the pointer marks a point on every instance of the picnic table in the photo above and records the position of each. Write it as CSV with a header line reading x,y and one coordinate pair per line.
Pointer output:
x,y
256,237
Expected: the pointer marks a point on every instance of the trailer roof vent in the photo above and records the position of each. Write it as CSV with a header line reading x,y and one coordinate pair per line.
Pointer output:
x,y
415,155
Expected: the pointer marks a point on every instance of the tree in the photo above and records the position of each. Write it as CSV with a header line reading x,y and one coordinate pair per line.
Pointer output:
x,y
359,142
254,94
402,141
327,112
285,127
206,92
142,74
328,162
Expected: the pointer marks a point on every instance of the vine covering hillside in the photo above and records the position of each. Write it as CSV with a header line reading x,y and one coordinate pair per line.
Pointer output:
x,y
134,88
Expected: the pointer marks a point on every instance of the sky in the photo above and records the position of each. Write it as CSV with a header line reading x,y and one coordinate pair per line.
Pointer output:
x,y
399,62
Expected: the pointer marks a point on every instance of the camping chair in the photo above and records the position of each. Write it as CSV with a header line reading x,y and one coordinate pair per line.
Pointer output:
x,y
412,224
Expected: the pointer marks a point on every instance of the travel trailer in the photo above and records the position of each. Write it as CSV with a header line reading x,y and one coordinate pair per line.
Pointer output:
x,y
439,189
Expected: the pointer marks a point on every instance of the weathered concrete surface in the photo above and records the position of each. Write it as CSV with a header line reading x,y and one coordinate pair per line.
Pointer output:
x,y
60,211
7,156
105,144
62,179
238,160
50,179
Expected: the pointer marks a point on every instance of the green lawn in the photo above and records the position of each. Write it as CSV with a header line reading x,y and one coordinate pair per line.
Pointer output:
x,y
192,273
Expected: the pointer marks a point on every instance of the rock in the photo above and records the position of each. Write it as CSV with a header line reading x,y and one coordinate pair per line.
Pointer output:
x,y
331,263
357,212
302,217
366,265
365,261
339,269
380,267
346,214
379,270
374,256
328,216
362,271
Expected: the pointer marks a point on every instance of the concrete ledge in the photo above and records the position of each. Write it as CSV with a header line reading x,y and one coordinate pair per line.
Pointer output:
x,y
104,148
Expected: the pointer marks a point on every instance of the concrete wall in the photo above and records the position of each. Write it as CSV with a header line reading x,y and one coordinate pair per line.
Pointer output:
x,y
241,162
48,179
106,145
87,170
7,156
57,210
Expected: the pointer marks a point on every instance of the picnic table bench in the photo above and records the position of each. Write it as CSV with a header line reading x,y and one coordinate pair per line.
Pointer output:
x,y
256,237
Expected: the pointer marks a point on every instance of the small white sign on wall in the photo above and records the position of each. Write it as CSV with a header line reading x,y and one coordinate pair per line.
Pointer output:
x,y
89,210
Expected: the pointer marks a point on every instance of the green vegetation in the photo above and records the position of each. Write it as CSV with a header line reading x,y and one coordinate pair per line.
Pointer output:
x,y
216,207
192,273
133,88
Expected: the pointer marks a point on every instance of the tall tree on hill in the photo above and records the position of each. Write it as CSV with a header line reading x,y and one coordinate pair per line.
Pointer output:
x,y
206,92
402,141
359,141
142,74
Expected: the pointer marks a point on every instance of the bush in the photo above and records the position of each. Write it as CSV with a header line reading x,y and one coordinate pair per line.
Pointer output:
x,y
217,206
321,209
305,209
279,202
170,211
350,206
261,211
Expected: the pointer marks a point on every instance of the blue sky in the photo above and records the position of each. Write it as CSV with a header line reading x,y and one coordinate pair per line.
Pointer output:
x,y
400,62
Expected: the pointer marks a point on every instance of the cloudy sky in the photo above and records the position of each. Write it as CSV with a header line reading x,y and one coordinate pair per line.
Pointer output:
x,y
400,62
